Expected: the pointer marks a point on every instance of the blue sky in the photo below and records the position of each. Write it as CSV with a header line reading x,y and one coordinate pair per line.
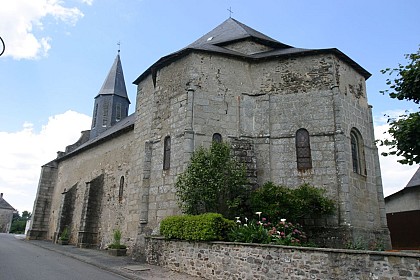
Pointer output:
x,y
58,54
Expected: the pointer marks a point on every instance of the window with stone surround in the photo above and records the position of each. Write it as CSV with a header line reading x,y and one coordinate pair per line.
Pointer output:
x,y
217,137
357,152
167,153
303,150
121,189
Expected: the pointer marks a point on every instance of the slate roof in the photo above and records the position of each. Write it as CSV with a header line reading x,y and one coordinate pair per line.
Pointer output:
x,y
5,205
411,186
231,31
121,127
415,180
114,82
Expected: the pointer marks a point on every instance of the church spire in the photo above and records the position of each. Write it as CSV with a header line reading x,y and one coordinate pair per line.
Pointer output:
x,y
111,103
114,83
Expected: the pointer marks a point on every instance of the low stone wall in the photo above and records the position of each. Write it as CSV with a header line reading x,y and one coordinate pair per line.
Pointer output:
x,y
223,260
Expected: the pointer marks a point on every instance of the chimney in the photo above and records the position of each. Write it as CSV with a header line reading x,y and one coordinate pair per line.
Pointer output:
x,y
1,195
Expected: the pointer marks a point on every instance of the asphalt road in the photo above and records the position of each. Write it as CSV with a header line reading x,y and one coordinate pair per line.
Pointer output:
x,y
21,260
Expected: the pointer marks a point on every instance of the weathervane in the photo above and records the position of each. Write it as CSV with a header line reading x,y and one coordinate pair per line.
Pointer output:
x,y
230,12
119,46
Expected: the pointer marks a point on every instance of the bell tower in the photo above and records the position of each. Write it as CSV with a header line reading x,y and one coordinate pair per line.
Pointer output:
x,y
111,103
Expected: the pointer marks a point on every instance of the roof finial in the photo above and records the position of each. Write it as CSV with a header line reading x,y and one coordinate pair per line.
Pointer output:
x,y
230,12
119,47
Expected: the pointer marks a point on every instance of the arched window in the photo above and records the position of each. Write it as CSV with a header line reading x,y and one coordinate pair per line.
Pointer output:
x,y
121,189
217,137
303,150
357,152
167,153
118,112
105,114
95,114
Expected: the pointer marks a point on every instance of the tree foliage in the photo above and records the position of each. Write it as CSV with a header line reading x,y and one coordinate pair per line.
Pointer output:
x,y
405,130
214,181
19,222
278,202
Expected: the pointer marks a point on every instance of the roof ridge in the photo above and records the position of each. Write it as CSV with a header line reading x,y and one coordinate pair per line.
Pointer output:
x,y
232,30
5,205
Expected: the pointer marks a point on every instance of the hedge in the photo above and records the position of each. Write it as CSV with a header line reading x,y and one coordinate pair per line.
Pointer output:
x,y
204,227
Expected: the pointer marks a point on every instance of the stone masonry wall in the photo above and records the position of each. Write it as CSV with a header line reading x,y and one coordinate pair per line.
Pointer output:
x,y
43,202
361,195
6,216
265,102
110,161
221,260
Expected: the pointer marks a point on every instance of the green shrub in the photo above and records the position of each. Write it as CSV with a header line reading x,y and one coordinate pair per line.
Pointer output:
x,y
117,246
117,241
214,182
205,227
276,202
281,233
117,237
249,233
65,235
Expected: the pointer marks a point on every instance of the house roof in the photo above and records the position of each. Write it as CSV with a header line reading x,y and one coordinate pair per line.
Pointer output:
x,y
114,82
5,205
231,31
411,186
415,180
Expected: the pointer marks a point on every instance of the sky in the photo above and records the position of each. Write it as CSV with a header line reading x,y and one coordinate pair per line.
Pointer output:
x,y
58,53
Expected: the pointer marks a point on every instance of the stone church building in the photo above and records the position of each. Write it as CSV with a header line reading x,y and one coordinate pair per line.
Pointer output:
x,y
297,115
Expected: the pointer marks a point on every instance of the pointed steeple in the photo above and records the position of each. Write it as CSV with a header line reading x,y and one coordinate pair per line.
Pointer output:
x,y
114,82
111,103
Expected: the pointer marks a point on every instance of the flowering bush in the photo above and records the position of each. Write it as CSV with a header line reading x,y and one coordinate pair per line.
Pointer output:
x,y
286,233
248,232
262,231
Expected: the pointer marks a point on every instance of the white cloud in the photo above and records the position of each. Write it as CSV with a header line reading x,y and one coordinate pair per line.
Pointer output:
x,y
24,152
19,19
395,176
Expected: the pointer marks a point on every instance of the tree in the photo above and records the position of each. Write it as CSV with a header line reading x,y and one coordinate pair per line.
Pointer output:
x,y
19,222
278,202
405,130
214,181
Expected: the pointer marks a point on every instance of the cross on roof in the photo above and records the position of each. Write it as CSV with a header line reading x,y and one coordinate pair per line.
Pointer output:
x,y
230,12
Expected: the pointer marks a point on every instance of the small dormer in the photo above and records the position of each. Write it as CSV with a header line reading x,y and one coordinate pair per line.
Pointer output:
x,y
248,47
